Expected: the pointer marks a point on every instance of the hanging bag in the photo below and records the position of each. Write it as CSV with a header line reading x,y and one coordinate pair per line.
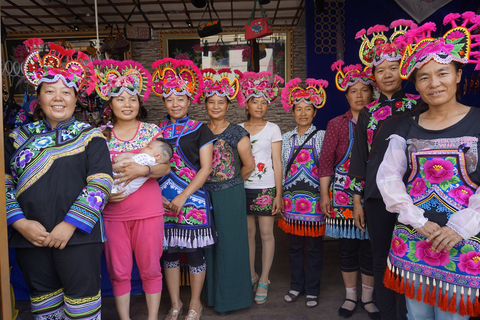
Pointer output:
x,y
115,44
211,27
138,33
258,28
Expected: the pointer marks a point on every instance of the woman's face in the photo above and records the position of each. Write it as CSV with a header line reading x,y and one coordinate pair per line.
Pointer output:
x,y
304,114
387,77
125,107
437,83
358,96
57,101
257,107
217,107
177,106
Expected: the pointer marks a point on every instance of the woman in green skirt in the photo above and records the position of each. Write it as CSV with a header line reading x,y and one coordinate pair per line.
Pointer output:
x,y
227,285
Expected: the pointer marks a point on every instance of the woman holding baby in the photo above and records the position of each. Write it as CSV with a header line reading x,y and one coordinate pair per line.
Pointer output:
x,y
131,223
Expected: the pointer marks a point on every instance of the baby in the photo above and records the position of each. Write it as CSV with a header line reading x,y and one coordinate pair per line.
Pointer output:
x,y
157,151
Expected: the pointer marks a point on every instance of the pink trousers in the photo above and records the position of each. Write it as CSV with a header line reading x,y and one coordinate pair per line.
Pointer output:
x,y
144,237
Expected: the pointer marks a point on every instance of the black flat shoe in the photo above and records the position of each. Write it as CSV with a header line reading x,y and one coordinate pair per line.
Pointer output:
x,y
372,315
224,314
345,313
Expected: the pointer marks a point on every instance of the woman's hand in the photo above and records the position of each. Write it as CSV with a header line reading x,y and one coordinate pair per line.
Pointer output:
x,y
130,171
277,207
60,235
177,203
166,204
325,205
31,230
118,196
444,239
428,229
359,216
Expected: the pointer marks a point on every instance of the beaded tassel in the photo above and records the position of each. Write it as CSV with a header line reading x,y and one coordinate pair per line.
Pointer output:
x,y
407,287
420,288
452,307
461,308
469,303
427,292
444,305
432,294
402,284
476,305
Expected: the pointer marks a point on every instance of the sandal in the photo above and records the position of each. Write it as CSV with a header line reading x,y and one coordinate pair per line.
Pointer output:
x,y
292,296
193,315
310,298
346,313
372,315
255,282
173,314
261,298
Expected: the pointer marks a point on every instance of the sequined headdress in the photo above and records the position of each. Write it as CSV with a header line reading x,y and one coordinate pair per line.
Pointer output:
x,y
350,75
179,77
220,83
314,93
59,63
109,78
380,48
258,85
457,44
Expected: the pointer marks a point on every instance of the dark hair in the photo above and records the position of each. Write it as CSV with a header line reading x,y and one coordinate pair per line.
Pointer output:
x,y
456,64
38,113
142,114
369,85
166,148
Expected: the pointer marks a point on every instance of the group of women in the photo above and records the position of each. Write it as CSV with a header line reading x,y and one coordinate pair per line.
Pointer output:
x,y
394,179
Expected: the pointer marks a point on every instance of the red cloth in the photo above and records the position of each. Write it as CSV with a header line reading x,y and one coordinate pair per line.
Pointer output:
x,y
335,143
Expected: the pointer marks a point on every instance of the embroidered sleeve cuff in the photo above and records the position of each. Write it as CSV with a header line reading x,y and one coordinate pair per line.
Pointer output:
x,y
85,228
12,218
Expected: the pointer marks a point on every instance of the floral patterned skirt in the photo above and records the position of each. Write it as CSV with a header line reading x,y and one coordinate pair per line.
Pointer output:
x,y
260,201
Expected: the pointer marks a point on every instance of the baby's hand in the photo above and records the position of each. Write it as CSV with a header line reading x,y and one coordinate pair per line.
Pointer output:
x,y
120,157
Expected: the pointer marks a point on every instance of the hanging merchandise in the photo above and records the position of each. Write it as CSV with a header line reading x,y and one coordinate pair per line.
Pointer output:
x,y
138,33
211,27
115,44
258,28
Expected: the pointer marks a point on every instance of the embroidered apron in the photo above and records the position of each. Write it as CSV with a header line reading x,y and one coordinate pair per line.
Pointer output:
x,y
301,194
440,185
341,224
193,227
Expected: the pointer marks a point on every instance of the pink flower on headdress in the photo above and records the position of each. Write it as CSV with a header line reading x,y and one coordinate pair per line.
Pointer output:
x,y
270,93
455,35
263,86
111,76
450,18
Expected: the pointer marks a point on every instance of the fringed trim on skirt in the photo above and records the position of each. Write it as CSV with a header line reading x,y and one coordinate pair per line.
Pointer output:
x,y
399,280
344,228
302,228
192,239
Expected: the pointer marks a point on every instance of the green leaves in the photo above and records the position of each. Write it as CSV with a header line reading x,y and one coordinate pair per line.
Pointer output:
x,y
453,252
412,257
466,248
452,160
444,185
451,266
422,161
404,237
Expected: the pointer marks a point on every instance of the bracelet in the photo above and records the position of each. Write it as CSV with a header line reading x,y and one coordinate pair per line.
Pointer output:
x,y
149,171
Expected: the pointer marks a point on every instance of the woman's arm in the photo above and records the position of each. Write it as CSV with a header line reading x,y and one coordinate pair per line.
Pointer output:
x,y
245,152
278,173
206,160
132,170
325,203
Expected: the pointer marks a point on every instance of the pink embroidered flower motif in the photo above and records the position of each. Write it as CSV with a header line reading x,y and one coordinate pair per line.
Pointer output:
x,y
399,247
315,171
317,207
346,165
303,157
179,216
287,203
398,104
382,113
264,200
369,136
176,159
428,254
438,170
348,182
293,169
418,187
303,206
198,215
187,174
342,198
461,195
470,262
216,157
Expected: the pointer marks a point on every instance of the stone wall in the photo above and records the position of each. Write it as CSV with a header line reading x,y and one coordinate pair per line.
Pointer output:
x,y
148,52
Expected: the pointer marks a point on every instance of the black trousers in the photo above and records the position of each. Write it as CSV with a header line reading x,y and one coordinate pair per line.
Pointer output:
x,y
380,224
356,254
305,281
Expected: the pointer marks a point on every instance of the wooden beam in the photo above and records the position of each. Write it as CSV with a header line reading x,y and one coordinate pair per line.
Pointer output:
x,y
51,14
297,16
166,15
21,23
29,14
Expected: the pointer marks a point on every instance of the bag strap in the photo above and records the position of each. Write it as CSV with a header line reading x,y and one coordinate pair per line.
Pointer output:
x,y
213,8
297,151
252,14
207,7
137,5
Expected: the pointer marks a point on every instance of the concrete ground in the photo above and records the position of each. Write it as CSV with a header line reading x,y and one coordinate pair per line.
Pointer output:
x,y
332,293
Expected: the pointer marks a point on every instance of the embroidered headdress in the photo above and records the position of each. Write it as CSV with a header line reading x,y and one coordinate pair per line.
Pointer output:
x,y
179,77
380,48
59,63
109,78
219,83
314,93
455,45
258,85
351,75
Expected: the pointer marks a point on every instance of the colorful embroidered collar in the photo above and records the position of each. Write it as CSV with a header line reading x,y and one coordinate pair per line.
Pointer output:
x,y
314,93
351,75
